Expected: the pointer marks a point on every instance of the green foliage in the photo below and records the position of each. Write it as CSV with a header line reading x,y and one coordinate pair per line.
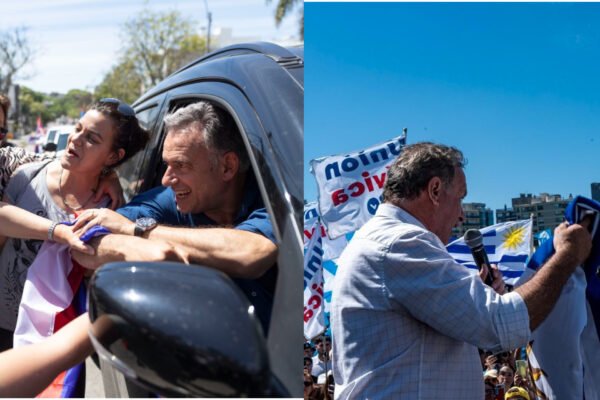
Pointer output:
x,y
51,106
156,45
284,7
122,82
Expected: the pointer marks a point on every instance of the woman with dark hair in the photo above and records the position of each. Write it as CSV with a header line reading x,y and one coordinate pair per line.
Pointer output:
x,y
106,136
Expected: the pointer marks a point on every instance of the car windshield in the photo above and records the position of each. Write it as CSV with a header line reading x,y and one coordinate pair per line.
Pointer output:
x,y
51,136
62,141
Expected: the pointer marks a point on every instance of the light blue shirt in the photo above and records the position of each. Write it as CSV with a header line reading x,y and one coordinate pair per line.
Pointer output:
x,y
407,319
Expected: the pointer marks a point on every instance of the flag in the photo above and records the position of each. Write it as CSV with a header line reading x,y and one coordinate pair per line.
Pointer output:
x,y
314,318
350,186
332,248
53,295
542,236
565,349
39,130
507,244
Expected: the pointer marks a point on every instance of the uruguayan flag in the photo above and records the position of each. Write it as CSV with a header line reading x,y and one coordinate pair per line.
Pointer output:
x,y
507,244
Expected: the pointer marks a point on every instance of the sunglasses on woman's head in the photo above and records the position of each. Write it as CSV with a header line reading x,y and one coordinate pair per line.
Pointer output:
x,y
123,108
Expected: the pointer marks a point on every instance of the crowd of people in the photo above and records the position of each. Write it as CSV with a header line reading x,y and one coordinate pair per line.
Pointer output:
x,y
502,378
318,376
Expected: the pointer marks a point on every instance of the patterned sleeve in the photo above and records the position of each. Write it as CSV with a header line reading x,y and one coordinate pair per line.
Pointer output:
x,y
448,297
13,157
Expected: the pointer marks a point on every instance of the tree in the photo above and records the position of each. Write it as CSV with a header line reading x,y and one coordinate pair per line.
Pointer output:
x,y
122,82
157,44
286,6
160,43
15,53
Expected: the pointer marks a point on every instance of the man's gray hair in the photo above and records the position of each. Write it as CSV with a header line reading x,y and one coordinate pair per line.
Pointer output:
x,y
219,130
416,165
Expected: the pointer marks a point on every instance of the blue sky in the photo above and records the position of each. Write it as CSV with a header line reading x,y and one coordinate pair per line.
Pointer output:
x,y
78,40
515,86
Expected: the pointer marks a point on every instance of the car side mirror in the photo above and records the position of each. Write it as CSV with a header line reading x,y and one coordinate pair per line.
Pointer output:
x,y
178,330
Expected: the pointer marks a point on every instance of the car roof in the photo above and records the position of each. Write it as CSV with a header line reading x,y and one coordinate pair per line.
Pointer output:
x,y
211,64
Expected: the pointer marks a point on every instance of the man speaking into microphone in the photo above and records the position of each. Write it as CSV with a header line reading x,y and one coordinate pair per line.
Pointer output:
x,y
406,318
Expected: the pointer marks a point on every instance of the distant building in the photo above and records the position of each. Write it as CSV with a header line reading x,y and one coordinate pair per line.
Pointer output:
x,y
506,215
596,191
477,216
548,210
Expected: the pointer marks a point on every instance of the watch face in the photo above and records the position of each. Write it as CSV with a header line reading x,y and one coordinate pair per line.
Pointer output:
x,y
145,222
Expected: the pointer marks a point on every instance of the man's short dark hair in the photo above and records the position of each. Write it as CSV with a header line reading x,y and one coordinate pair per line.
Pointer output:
x,y
416,165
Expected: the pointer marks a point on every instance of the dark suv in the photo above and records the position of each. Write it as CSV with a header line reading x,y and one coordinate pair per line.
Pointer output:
x,y
261,85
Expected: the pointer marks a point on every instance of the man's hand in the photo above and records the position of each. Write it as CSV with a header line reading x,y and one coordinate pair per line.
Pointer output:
x,y
573,240
110,186
498,282
112,220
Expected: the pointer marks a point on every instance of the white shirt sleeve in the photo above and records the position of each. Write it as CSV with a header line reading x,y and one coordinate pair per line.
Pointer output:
x,y
424,279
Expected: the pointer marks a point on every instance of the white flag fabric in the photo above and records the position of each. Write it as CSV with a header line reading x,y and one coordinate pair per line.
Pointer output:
x,y
332,248
507,244
350,186
314,312
46,293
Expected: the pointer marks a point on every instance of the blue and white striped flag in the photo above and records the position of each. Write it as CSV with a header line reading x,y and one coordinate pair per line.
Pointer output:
x,y
507,244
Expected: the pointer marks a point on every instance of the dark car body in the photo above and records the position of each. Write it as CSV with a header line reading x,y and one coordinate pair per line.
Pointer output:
x,y
262,86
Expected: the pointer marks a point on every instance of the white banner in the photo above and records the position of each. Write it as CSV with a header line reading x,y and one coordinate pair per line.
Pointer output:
x,y
332,248
314,312
350,186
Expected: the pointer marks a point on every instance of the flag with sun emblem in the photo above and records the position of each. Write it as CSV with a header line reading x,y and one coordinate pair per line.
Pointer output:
x,y
507,244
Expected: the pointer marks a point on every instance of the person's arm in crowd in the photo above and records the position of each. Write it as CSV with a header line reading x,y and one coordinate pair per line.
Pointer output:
x,y
572,244
18,223
236,252
12,158
26,371
110,186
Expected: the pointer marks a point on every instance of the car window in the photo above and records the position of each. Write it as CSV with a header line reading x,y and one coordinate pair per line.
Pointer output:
x,y
51,135
129,172
61,144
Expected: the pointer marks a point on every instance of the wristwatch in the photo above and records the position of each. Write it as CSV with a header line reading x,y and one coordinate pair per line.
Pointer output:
x,y
144,224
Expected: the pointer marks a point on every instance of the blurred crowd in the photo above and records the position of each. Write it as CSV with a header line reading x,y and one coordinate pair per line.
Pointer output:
x,y
318,377
506,375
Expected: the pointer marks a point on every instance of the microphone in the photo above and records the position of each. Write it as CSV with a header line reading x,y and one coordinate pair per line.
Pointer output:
x,y
474,240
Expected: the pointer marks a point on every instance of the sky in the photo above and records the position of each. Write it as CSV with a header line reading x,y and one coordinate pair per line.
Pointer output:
x,y
77,41
515,86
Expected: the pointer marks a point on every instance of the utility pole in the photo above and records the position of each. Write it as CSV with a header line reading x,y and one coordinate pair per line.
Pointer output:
x,y
209,18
